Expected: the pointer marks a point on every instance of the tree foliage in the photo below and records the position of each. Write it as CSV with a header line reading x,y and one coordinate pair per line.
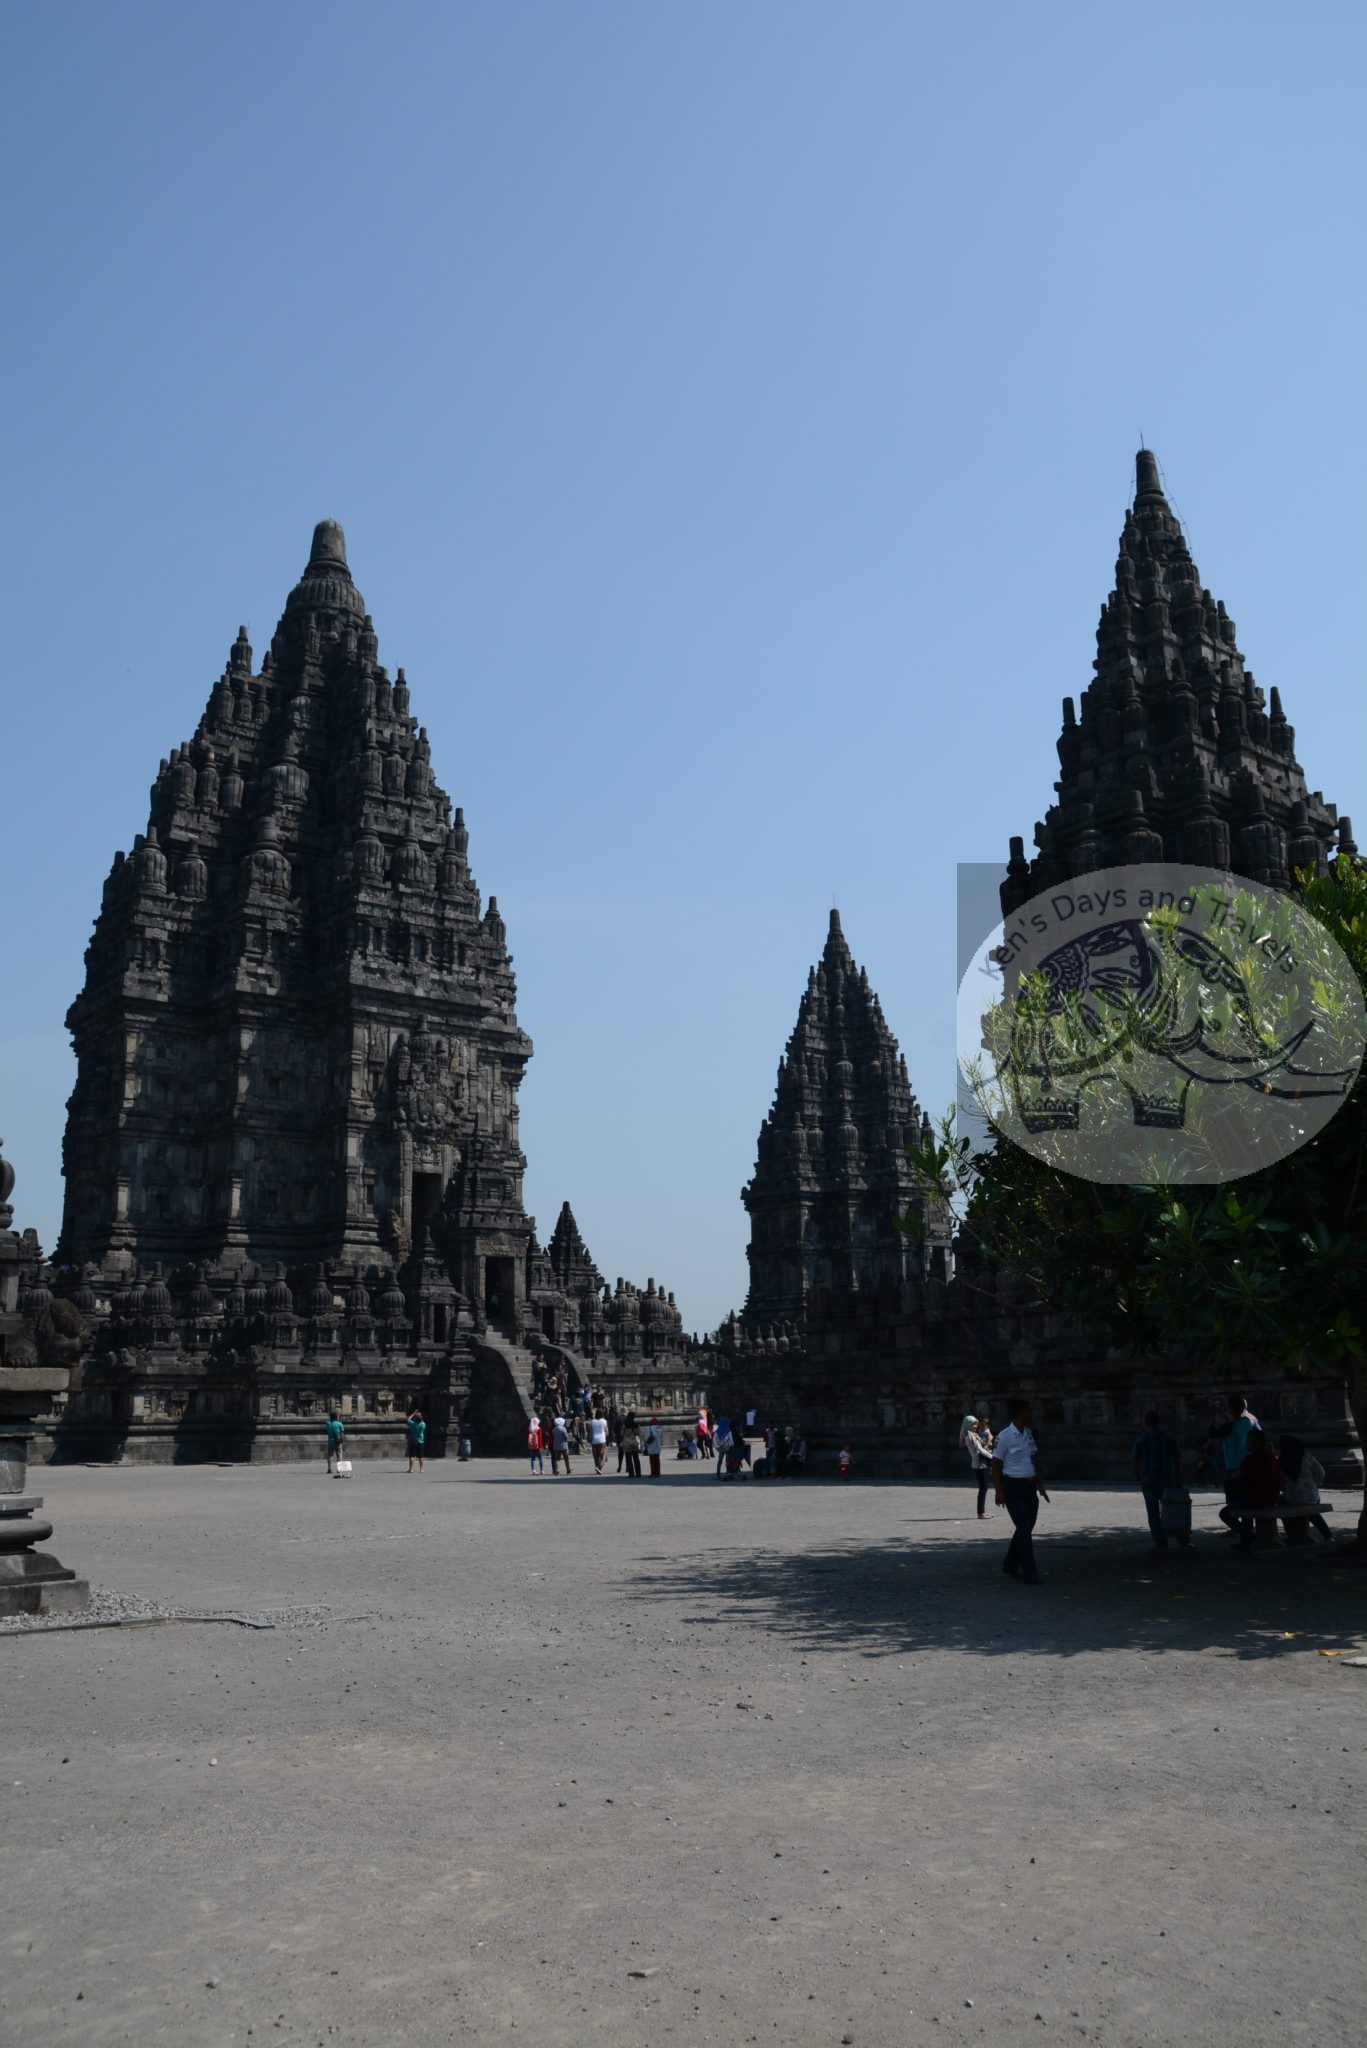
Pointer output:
x,y
1269,1269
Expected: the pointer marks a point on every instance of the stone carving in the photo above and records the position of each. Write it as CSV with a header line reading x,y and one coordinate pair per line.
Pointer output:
x,y
40,1342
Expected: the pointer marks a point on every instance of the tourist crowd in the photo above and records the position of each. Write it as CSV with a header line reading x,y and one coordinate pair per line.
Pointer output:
x,y
588,1423
1261,1483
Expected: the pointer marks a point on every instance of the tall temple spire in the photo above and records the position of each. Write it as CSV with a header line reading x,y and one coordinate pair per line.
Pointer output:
x,y
292,1156
1172,753
297,1032
832,1175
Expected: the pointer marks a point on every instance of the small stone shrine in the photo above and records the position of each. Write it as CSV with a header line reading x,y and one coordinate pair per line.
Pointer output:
x,y
39,1349
292,1159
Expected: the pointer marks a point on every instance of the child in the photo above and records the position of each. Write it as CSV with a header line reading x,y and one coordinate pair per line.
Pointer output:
x,y
845,1462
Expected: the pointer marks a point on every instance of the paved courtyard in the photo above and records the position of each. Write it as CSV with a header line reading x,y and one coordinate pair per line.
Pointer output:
x,y
634,1763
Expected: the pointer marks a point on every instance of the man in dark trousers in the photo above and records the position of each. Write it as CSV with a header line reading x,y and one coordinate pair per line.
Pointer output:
x,y
1016,1484
1157,1464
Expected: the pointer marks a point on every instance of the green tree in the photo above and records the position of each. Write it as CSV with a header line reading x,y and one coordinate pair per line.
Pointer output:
x,y
1271,1268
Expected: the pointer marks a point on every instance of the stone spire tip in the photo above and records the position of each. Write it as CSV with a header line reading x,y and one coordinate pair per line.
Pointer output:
x,y
329,546
1146,480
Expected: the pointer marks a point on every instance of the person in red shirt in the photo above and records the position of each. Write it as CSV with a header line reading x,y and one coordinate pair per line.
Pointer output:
x,y
1257,1484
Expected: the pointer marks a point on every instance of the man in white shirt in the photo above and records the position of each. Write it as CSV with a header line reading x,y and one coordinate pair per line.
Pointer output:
x,y
1016,1482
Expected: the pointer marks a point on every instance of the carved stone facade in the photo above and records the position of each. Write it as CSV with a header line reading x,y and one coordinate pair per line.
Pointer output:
x,y
293,1166
1174,756
832,1175
1174,753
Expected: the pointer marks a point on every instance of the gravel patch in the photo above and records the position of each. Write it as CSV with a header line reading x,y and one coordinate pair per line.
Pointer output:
x,y
126,1610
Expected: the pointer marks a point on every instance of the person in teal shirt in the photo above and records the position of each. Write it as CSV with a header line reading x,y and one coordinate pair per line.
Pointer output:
x,y
417,1437
1233,1440
336,1438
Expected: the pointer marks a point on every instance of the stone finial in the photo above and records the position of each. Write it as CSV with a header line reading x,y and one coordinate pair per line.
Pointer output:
x,y
329,547
1146,480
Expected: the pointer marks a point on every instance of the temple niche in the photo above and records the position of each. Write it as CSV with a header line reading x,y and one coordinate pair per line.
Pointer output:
x,y
292,1156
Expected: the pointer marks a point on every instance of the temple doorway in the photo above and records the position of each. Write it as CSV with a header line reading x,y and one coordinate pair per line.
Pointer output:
x,y
498,1292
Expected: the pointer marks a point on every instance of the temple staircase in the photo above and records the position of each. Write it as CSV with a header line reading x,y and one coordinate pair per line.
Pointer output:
x,y
501,1401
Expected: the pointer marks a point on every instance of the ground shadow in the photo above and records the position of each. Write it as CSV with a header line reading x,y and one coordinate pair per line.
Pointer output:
x,y
1102,1591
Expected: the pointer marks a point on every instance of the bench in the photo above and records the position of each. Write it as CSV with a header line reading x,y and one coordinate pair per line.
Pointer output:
x,y
1265,1522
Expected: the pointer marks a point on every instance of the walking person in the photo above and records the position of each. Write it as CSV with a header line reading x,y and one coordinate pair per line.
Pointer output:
x,y
560,1445
844,1462
1302,1478
631,1446
417,1437
1017,1488
653,1443
598,1439
336,1439
1156,1464
535,1440
721,1443
704,1434
976,1438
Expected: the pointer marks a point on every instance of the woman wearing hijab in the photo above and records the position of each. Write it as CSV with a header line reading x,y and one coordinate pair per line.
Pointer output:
x,y
976,1438
1302,1477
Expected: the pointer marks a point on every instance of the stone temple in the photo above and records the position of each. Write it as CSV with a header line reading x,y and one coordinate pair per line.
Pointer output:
x,y
294,1175
292,1158
832,1175
1174,756
1174,753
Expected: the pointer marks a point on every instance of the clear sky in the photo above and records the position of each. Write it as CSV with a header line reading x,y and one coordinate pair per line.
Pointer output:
x,y
731,409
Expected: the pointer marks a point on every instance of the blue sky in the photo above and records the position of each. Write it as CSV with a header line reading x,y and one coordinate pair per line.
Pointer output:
x,y
731,409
